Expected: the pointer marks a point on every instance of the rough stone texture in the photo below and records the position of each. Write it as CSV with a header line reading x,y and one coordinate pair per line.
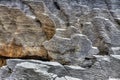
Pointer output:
x,y
23,33
70,50
115,50
34,24
105,67
84,35
29,71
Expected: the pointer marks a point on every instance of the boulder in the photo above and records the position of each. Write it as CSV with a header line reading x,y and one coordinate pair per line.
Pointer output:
x,y
70,50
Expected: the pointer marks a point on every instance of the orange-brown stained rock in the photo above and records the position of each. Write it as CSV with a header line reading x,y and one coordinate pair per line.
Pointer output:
x,y
18,51
49,32
2,62
13,21
11,51
48,24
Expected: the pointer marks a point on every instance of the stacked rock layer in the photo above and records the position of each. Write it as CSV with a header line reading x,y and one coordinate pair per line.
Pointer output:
x,y
84,33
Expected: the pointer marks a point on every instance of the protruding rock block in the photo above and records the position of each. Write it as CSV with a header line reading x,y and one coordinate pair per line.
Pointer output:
x,y
41,12
71,49
22,33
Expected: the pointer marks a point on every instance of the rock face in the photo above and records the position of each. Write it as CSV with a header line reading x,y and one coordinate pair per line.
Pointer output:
x,y
70,32
22,34
70,50
29,29
105,68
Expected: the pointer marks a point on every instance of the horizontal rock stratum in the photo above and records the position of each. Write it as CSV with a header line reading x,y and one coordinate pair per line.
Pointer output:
x,y
105,68
80,33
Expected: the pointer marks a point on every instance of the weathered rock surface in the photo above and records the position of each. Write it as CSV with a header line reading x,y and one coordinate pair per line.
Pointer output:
x,y
23,33
70,50
84,35
105,67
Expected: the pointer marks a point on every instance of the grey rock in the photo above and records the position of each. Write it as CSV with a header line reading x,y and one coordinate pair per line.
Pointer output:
x,y
107,34
26,70
95,19
115,50
84,35
71,49
104,68
5,72
53,67
67,78
115,59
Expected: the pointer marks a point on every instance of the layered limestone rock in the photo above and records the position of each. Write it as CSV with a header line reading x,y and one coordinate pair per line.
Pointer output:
x,y
34,24
69,46
105,68
67,31
22,34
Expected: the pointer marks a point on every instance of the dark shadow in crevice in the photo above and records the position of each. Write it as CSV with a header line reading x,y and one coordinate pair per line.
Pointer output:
x,y
38,23
56,5
27,57
88,62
